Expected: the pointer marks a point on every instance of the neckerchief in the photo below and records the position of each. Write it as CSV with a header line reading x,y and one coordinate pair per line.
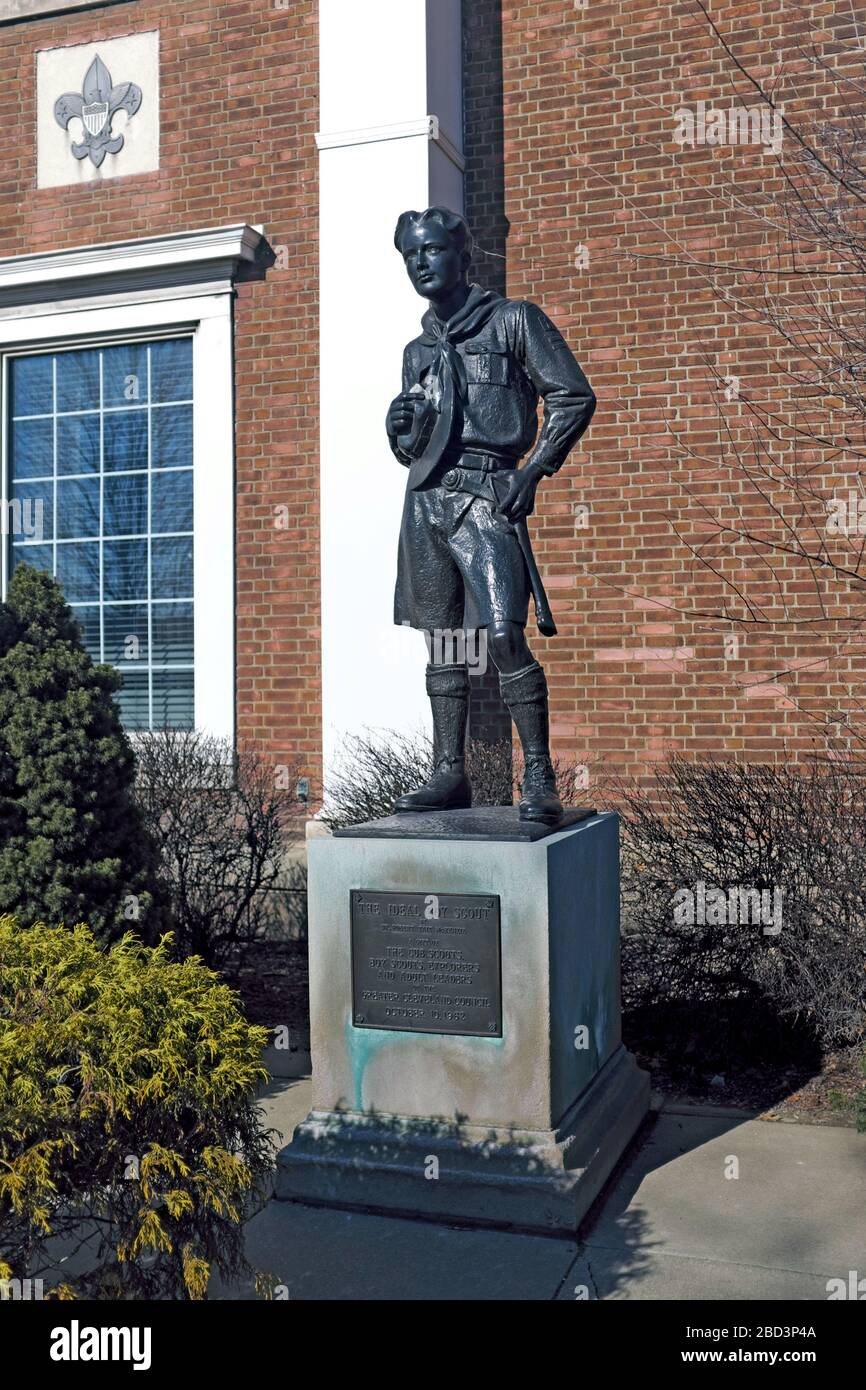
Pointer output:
x,y
442,334
448,370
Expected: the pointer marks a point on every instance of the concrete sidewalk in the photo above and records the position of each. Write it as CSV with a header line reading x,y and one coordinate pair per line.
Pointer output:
x,y
672,1225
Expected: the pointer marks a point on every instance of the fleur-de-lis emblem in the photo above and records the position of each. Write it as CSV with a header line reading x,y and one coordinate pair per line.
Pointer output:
x,y
95,106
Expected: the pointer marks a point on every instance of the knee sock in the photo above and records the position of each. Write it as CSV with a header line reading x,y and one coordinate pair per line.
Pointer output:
x,y
448,689
525,695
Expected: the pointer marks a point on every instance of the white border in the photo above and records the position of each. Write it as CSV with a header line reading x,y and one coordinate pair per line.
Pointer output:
x,y
227,253
383,146
428,126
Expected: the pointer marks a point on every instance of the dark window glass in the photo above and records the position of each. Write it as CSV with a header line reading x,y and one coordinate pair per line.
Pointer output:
x,y
32,385
78,444
32,448
88,620
77,508
125,436
125,505
126,633
172,502
173,699
171,370
78,381
101,489
172,633
124,375
78,571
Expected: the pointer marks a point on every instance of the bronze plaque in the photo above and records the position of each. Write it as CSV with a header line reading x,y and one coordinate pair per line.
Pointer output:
x,y
426,962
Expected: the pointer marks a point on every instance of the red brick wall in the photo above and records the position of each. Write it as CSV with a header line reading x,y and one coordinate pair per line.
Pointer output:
x,y
589,157
579,150
238,113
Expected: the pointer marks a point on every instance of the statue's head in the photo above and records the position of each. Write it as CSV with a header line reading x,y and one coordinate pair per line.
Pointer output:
x,y
436,246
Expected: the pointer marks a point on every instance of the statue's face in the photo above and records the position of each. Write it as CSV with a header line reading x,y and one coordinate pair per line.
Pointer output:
x,y
434,264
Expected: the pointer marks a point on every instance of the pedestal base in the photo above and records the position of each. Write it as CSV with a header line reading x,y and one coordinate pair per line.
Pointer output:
x,y
542,1181
510,1099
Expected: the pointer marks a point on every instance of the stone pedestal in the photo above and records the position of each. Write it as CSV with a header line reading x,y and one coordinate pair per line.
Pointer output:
x,y
520,1129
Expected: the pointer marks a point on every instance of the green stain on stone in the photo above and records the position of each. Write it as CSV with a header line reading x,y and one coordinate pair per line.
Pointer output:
x,y
361,1045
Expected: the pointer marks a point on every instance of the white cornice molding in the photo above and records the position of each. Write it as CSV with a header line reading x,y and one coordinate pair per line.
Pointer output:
x,y
227,254
19,11
427,126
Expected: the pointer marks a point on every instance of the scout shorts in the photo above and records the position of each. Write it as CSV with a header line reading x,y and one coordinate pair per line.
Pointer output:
x,y
459,563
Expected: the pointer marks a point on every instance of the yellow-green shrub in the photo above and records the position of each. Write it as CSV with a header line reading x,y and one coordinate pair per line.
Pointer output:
x,y
127,1109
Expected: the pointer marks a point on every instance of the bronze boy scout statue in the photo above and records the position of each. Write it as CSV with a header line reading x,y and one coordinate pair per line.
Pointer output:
x,y
464,419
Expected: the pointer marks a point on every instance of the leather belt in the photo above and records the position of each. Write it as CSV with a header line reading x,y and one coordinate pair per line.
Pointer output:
x,y
470,461
470,473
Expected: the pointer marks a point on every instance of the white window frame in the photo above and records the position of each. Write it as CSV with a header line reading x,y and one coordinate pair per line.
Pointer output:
x,y
199,306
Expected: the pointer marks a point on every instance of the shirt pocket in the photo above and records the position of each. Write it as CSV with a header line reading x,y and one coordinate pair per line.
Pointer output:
x,y
486,363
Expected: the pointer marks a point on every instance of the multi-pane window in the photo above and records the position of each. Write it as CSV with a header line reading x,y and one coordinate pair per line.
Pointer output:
x,y
100,455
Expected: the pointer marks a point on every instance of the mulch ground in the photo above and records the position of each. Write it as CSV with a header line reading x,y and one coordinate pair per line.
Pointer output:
x,y
273,982
826,1096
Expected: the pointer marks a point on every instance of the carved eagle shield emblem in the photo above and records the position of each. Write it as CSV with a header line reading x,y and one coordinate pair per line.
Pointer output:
x,y
95,106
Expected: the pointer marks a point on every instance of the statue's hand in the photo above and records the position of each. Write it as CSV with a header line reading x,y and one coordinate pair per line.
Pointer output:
x,y
519,499
400,414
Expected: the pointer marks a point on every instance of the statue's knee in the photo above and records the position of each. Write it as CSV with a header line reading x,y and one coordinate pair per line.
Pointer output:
x,y
506,644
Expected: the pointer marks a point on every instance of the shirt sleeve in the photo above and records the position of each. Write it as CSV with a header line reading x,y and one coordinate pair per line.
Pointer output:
x,y
569,400
407,384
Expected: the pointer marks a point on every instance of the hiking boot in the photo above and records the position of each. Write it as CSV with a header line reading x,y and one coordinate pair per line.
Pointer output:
x,y
447,789
538,801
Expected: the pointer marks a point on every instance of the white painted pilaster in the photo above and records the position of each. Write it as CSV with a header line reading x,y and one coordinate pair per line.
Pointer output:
x,y
390,139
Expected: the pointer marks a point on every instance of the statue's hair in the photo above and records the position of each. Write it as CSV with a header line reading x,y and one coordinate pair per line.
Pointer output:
x,y
456,226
